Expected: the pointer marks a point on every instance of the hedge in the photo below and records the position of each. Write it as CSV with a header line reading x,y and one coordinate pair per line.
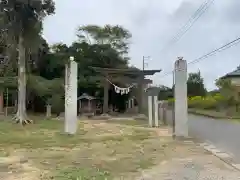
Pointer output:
x,y
199,102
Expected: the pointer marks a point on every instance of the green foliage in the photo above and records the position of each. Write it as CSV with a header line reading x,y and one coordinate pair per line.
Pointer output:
x,y
44,88
8,82
25,17
208,102
57,103
165,93
229,92
98,46
195,85
115,36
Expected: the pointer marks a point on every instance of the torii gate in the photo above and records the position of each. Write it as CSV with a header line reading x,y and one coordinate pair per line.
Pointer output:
x,y
126,75
71,72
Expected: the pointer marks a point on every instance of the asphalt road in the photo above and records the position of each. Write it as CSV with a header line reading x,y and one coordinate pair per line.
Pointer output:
x,y
224,134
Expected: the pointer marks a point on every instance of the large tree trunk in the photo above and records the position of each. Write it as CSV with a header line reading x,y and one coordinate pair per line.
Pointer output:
x,y
21,116
1,102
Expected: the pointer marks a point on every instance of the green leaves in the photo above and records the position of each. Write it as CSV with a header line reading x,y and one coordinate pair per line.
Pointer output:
x,y
196,85
8,82
115,36
45,88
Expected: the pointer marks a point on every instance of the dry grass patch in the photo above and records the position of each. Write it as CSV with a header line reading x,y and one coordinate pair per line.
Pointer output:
x,y
99,150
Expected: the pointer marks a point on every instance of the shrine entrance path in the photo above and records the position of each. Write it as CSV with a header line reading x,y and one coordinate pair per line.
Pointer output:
x,y
100,149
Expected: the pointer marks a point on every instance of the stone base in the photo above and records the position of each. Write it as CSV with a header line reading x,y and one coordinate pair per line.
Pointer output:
x,y
102,117
141,117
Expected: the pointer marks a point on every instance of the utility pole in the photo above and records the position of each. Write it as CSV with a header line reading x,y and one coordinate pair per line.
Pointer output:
x,y
144,63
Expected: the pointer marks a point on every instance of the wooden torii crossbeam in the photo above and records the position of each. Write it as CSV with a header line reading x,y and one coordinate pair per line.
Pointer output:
x,y
126,75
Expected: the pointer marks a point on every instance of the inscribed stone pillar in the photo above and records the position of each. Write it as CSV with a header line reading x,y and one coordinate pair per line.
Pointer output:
x,y
180,94
71,97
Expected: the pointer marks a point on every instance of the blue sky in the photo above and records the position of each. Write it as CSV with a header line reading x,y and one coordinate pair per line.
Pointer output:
x,y
153,23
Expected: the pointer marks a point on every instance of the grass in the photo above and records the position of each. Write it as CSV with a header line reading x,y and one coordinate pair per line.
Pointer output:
x,y
141,123
215,114
100,150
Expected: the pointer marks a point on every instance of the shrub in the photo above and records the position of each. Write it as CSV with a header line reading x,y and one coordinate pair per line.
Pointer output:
x,y
208,102
57,103
170,102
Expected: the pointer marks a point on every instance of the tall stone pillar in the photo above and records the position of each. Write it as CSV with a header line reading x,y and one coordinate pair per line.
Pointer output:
x,y
71,96
180,94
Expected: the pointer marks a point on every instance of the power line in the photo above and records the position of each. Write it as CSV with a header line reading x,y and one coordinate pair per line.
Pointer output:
x,y
204,7
222,48
191,21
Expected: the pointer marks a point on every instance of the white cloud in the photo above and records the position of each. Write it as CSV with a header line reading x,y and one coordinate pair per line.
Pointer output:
x,y
153,23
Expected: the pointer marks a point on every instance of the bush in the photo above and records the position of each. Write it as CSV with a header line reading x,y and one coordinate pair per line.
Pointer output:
x,y
199,102
170,102
57,103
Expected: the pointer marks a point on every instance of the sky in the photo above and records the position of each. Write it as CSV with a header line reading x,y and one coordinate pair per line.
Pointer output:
x,y
153,23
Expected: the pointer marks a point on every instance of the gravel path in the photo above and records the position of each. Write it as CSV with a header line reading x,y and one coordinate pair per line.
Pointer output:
x,y
196,164
224,134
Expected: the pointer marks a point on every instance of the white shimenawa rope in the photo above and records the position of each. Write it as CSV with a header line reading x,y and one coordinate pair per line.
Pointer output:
x,y
120,90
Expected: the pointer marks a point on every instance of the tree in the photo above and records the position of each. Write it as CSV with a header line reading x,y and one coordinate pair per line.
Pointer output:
x,y
165,93
23,21
229,92
115,36
45,65
195,85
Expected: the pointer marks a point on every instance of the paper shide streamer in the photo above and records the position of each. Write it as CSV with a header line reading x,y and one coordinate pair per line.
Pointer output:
x,y
120,90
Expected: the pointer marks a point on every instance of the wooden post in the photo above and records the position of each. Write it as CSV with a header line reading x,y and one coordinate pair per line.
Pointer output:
x,y
156,111
150,111
1,102
6,112
140,95
105,98
89,106
49,111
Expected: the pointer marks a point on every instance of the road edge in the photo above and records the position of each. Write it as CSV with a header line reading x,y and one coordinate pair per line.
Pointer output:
x,y
222,155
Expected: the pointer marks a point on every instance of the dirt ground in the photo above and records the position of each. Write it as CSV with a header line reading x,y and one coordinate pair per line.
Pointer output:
x,y
100,150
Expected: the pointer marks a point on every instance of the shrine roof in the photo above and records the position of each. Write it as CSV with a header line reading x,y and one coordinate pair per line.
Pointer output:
x,y
126,71
235,73
86,96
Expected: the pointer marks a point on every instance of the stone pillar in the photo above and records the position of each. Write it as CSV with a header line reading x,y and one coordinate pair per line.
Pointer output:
x,y
129,104
105,97
150,111
153,105
180,94
156,110
71,97
49,111
132,103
